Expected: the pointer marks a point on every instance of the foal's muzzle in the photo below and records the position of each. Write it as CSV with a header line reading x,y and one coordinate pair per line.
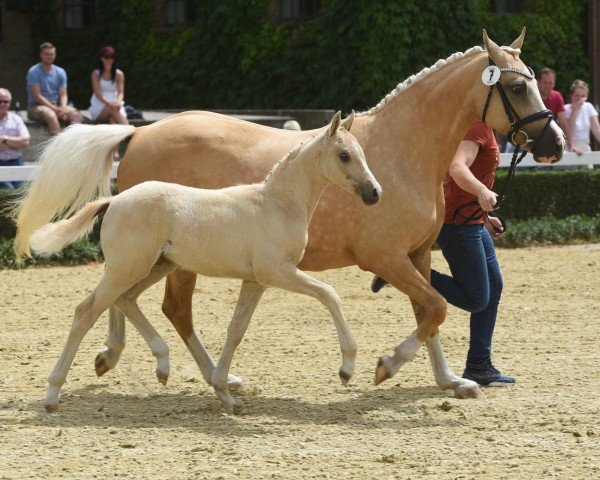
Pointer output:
x,y
370,193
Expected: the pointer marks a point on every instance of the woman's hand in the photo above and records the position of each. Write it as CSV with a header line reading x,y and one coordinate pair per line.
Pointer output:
x,y
576,150
490,224
487,200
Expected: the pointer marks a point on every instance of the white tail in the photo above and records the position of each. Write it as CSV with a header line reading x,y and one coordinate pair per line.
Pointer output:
x,y
53,237
74,169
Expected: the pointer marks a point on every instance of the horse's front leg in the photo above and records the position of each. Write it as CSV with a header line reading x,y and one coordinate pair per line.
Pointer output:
x,y
296,280
250,295
412,278
177,306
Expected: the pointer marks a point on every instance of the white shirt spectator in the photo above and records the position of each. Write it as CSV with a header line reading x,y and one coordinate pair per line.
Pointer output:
x,y
12,126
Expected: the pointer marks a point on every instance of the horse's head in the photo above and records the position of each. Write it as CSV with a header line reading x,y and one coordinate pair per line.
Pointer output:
x,y
514,105
344,161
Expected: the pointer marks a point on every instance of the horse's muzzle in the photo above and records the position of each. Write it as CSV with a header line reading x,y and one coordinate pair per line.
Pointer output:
x,y
370,193
551,146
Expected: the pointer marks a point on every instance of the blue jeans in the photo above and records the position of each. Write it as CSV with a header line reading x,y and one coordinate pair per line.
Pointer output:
x,y
17,162
475,284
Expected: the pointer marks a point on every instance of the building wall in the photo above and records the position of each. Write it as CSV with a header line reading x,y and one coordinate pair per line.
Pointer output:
x,y
15,53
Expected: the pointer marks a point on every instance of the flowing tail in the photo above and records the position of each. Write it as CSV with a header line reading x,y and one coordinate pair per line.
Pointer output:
x,y
74,168
53,237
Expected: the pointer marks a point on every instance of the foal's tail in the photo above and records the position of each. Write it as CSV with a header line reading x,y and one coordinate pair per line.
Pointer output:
x,y
74,168
53,237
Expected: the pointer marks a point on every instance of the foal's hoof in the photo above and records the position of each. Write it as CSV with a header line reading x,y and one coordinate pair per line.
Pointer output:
x,y
381,372
344,377
226,398
100,365
234,383
473,392
162,377
51,408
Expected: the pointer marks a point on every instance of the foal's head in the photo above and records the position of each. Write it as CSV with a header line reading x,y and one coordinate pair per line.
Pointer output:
x,y
343,161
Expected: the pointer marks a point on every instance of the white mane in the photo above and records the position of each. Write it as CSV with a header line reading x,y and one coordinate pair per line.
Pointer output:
x,y
420,76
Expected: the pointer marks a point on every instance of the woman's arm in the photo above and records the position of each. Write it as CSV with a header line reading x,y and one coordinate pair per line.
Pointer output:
x,y
595,126
120,86
459,170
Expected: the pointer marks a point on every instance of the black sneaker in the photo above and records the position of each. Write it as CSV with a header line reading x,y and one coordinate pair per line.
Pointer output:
x,y
377,284
488,376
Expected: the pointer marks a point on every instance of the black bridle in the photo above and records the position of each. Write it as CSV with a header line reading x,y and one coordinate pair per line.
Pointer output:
x,y
515,135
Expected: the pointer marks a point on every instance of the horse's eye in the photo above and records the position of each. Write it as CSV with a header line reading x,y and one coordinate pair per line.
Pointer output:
x,y
519,88
344,157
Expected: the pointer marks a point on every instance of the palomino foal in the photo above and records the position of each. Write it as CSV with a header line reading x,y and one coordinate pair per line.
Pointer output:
x,y
256,233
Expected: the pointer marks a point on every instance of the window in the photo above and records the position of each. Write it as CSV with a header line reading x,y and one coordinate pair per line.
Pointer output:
x,y
507,6
78,14
298,10
178,12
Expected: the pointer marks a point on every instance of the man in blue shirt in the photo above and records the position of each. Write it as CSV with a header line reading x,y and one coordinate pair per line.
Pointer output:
x,y
47,100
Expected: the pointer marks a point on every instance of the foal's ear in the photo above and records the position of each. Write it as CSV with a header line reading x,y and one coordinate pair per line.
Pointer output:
x,y
347,123
494,51
335,123
518,43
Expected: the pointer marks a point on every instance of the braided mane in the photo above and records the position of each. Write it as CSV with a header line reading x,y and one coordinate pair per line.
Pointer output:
x,y
401,87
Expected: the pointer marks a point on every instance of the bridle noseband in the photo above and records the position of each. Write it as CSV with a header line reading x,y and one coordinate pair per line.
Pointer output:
x,y
515,135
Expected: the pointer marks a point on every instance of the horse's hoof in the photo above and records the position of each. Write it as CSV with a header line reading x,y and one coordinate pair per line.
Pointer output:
x,y
344,377
51,408
162,377
381,372
473,392
100,365
234,383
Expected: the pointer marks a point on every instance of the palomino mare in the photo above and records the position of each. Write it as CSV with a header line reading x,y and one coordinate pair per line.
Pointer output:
x,y
256,233
409,139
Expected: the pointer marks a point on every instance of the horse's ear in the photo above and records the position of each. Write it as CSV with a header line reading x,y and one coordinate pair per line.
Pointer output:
x,y
347,123
335,123
494,51
518,43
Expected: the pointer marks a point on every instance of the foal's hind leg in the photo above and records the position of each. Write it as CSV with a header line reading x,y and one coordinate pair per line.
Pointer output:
x,y
296,280
250,295
128,304
86,314
109,356
177,306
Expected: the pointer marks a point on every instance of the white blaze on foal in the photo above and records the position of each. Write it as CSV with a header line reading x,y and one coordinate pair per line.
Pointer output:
x,y
256,233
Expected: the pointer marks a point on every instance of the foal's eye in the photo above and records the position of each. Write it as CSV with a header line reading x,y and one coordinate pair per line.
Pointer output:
x,y
344,157
519,88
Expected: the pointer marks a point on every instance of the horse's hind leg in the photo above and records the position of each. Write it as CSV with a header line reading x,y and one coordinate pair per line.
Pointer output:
x,y
127,303
297,281
177,306
108,356
250,295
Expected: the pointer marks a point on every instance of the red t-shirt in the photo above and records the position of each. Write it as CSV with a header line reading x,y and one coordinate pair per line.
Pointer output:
x,y
484,168
555,103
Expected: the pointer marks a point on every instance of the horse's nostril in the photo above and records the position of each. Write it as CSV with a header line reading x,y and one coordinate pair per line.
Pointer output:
x,y
375,194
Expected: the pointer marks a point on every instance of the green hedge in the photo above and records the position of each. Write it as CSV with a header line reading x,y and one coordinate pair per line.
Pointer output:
x,y
554,193
351,55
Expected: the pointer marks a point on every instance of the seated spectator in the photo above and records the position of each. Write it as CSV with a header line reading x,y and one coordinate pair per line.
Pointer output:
x,y
13,137
108,84
48,100
582,119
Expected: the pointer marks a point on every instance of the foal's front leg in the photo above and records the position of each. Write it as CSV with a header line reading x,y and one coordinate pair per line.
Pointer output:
x,y
250,295
296,280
